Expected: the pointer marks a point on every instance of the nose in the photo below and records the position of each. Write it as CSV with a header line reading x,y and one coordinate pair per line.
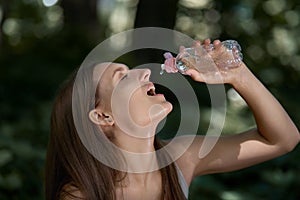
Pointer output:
x,y
146,75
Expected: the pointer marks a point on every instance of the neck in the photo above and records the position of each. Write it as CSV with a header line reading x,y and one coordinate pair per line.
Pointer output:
x,y
137,142
136,145
138,152
143,179
141,186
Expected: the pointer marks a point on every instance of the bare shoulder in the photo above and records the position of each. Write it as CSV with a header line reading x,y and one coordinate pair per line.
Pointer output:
x,y
70,192
182,146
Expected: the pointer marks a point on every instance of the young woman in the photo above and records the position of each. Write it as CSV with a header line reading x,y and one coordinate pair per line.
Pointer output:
x,y
74,172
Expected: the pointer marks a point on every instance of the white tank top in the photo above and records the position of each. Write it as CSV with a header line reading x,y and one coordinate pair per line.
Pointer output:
x,y
182,182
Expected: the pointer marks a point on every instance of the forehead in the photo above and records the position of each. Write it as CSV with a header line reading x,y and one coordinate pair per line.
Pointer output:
x,y
104,70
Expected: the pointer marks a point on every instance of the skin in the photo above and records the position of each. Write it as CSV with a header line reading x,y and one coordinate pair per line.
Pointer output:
x,y
275,134
138,138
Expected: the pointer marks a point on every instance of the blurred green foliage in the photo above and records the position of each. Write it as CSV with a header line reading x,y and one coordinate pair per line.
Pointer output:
x,y
40,46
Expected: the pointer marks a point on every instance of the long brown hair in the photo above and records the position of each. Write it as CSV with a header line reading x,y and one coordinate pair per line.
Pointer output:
x,y
70,163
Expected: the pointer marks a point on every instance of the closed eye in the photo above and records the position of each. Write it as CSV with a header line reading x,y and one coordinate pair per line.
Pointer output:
x,y
124,77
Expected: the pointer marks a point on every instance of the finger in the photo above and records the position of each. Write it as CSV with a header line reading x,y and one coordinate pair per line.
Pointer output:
x,y
217,44
206,41
181,48
207,45
196,43
195,75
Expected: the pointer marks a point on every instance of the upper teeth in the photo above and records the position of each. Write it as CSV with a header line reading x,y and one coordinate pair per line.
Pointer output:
x,y
151,90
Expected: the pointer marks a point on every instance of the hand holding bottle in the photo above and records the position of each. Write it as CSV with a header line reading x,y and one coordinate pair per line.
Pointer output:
x,y
227,62
211,63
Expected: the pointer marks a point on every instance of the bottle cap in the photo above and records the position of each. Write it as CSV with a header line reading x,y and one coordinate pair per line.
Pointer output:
x,y
169,64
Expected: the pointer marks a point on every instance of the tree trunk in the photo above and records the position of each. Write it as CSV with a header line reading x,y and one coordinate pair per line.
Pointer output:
x,y
5,8
154,13
80,12
158,13
81,16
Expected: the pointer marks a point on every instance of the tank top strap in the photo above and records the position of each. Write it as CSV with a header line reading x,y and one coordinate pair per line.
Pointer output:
x,y
182,182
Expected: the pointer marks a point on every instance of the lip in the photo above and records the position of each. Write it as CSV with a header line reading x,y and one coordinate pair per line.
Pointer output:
x,y
161,95
150,86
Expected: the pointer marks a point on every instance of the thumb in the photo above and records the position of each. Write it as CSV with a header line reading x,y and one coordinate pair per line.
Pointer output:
x,y
195,75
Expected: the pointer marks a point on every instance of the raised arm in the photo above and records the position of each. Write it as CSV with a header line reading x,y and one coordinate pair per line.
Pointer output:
x,y
275,134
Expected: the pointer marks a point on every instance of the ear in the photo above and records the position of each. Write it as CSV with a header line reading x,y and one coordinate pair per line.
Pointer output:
x,y
99,118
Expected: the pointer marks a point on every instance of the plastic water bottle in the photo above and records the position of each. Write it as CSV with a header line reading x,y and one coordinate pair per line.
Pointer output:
x,y
199,58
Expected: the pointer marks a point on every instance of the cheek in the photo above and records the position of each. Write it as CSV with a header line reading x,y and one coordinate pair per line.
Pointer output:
x,y
139,108
130,105
144,110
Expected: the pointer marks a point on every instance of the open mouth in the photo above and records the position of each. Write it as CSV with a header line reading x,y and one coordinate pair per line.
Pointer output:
x,y
151,90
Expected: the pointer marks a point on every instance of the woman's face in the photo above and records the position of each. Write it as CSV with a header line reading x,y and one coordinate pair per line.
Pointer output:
x,y
130,98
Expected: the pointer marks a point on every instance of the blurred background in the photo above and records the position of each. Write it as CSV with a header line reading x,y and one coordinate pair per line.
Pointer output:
x,y
43,41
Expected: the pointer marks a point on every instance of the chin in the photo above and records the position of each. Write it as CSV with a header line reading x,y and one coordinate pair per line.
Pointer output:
x,y
169,108
159,112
